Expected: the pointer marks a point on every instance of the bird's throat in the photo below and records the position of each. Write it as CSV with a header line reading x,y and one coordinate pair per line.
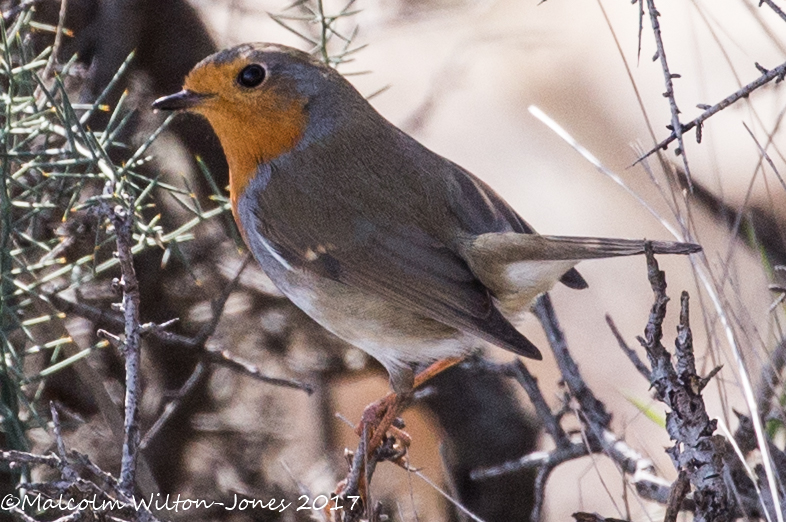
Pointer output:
x,y
255,138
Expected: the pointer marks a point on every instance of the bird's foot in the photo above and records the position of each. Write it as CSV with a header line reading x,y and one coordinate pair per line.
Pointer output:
x,y
380,418
352,493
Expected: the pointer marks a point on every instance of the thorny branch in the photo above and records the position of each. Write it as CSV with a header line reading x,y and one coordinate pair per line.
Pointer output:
x,y
676,126
774,7
777,74
696,451
77,470
222,358
123,222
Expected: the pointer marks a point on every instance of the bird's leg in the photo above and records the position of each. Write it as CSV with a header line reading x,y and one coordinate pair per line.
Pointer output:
x,y
378,417
377,421
436,368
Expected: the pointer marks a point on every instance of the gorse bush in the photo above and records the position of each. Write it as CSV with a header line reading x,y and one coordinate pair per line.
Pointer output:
x,y
58,175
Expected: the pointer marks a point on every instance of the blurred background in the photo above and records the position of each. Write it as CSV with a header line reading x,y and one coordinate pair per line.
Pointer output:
x,y
459,75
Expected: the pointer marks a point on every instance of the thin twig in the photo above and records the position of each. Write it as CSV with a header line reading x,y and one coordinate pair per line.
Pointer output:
x,y
224,358
174,404
633,356
777,74
590,405
530,384
531,461
641,30
14,457
677,128
123,222
774,7
771,377
58,41
764,154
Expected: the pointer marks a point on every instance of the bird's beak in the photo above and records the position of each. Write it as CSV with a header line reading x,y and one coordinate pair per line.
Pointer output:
x,y
184,99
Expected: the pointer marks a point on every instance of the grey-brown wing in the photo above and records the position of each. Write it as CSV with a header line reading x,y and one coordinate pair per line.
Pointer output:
x,y
405,265
480,210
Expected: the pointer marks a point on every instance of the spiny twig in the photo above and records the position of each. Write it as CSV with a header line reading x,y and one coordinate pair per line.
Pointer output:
x,y
777,74
123,222
315,16
774,7
676,126
110,320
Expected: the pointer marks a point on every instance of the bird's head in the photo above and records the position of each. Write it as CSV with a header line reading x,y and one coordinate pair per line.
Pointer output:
x,y
257,98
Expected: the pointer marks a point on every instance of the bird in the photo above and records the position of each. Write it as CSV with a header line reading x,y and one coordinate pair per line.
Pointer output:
x,y
386,244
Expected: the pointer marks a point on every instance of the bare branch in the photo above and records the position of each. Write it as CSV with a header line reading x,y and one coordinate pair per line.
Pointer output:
x,y
697,451
224,358
173,406
533,460
777,74
123,221
676,126
77,470
633,356
110,320
594,409
519,371
774,7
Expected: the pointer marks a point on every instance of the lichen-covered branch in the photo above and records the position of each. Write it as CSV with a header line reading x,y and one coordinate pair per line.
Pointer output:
x,y
696,450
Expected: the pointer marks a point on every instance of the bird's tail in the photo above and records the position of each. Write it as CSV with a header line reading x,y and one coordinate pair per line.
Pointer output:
x,y
512,247
517,267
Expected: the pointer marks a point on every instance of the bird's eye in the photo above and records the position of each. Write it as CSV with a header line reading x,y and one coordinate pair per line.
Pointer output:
x,y
251,75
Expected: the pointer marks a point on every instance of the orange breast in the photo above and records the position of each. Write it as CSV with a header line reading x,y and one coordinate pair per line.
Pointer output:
x,y
253,138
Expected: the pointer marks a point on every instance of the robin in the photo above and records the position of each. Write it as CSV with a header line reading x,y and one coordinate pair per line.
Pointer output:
x,y
388,245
